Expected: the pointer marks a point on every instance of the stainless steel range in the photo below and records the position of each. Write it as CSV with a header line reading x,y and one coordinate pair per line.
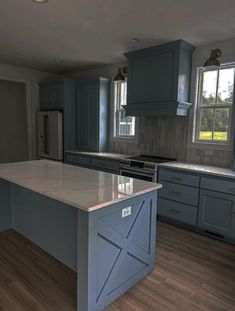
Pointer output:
x,y
142,167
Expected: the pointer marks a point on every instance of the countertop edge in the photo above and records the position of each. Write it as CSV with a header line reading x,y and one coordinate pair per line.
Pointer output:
x,y
201,169
81,207
99,155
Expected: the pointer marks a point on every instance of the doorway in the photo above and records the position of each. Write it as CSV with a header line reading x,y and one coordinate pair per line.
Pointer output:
x,y
13,122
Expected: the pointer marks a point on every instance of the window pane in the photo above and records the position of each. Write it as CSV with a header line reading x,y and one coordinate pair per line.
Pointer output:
x,y
126,124
206,124
221,124
209,87
225,90
123,125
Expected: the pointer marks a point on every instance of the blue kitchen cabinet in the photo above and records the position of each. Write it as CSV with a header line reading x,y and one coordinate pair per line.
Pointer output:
x,y
217,213
92,115
51,95
159,79
203,202
178,199
61,95
98,163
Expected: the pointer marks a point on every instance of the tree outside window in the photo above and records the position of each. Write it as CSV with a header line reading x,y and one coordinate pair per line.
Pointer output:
x,y
214,105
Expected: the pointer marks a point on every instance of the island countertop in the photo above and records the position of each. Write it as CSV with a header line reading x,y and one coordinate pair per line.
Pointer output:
x,y
79,187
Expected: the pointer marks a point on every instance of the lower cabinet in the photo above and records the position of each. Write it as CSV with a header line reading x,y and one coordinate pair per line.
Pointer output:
x,y
217,213
177,211
103,164
203,202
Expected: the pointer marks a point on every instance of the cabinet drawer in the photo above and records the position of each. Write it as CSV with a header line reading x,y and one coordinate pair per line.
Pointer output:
x,y
219,185
106,164
178,211
179,178
76,159
180,193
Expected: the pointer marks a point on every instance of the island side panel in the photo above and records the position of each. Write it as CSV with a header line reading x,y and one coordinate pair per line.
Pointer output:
x,y
5,205
48,223
116,249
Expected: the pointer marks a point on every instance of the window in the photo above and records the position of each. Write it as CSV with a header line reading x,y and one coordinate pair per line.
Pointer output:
x,y
124,126
213,115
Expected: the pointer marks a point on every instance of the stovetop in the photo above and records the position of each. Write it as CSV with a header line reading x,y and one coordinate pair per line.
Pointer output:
x,y
152,159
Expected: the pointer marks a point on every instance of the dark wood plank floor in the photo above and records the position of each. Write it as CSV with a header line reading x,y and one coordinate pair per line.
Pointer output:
x,y
193,272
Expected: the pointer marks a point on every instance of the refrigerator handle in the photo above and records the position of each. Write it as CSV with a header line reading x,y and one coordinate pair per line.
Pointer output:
x,y
46,134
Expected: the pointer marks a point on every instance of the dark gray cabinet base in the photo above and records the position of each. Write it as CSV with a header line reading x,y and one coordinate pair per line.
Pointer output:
x,y
111,253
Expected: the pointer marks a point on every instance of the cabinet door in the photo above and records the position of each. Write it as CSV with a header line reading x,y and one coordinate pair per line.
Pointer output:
x,y
88,117
217,212
151,78
51,97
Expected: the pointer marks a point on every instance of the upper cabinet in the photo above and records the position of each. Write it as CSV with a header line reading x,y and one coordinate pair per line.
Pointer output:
x,y
61,95
51,95
159,80
92,114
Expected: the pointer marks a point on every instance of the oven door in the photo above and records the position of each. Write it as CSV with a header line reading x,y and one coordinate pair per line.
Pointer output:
x,y
139,174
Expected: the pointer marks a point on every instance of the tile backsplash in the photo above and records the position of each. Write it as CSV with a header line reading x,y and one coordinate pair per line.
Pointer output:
x,y
167,137
162,136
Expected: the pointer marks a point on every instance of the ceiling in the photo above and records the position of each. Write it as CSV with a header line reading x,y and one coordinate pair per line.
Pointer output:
x,y
90,33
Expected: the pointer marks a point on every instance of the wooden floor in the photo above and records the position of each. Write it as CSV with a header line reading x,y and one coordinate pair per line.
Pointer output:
x,y
193,272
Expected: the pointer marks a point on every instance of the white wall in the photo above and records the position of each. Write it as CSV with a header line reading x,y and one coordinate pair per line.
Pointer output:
x,y
108,71
31,78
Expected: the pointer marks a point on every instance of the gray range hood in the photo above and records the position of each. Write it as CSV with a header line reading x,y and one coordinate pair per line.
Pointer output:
x,y
173,108
159,80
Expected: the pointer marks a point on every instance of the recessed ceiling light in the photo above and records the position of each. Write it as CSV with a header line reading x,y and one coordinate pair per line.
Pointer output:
x,y
40,1
135,40
58,61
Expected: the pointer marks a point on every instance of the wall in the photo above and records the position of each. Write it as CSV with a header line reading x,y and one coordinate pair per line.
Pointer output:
x,y
31,78
170,136
14,145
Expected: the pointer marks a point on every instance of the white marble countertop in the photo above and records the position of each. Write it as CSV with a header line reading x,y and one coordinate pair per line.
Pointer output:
x,y
79,187
108,155
204,169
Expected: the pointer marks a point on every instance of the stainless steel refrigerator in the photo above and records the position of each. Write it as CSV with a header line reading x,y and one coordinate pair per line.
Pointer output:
x,y
50,134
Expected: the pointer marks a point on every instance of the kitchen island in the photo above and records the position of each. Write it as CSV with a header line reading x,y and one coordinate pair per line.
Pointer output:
x,y
101,225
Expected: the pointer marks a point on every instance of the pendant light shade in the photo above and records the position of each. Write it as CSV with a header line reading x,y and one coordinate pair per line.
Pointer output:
x,y
213,60
119,76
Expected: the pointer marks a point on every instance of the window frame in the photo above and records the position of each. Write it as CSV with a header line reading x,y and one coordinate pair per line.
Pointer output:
x,y
198,107
114,124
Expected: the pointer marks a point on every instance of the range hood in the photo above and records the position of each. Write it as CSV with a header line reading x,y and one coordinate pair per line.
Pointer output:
x,y
159,80
165,109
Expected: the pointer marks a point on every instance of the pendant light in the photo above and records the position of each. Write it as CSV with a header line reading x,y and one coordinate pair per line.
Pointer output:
x,y
213,60
119,76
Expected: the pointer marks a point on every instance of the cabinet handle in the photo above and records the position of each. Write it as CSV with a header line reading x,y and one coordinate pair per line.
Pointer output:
x,y
175,211
176,192
176,178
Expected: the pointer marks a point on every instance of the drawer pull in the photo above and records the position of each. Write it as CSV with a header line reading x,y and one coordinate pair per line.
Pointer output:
x,y
175,211
176,192
176,178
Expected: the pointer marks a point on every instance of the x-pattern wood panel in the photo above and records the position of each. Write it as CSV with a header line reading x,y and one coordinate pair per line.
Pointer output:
x,y
126,248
